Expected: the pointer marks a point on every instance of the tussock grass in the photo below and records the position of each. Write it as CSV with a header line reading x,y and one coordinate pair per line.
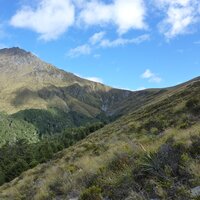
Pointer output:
x,y
123,159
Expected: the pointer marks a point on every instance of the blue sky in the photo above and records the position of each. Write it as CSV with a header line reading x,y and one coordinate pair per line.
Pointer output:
x,y
132,44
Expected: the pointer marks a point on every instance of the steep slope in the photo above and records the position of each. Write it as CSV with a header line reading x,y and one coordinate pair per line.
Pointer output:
x,y
150,153
52,99
27,82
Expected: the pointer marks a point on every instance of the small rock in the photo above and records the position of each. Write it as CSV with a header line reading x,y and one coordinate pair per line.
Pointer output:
x,y
195,191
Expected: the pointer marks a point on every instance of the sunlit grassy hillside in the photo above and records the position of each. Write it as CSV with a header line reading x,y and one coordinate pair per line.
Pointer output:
x,y
150,153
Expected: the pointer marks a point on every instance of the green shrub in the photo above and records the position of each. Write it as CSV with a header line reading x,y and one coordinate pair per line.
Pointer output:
x,y
182,193
195,146
2,176
151,165
92,193
134,196
166,162
154,131
16,169
156,125
119,162
193,105
184,121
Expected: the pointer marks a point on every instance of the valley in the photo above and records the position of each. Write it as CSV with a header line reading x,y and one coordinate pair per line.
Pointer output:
x,y
64,137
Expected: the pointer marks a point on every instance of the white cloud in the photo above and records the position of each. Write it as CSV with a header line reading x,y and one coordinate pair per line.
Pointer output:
x,y
95,13
86,49
97,37
50,18
123,88
179,16
155,79
151,76
129,14
94,79
147,74
140,88
97,41
123,41
80,50
125,14
162,3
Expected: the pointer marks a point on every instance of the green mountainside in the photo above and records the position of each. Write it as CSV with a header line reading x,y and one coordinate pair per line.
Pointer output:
x,y
26,82
52,100
64,137
149,153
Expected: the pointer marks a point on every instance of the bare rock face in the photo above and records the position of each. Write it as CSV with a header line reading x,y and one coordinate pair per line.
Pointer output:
x,y
13,51
16,57
25,69
20,62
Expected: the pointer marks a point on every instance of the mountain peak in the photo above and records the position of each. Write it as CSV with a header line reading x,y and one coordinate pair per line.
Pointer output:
x,y
14,51
16,59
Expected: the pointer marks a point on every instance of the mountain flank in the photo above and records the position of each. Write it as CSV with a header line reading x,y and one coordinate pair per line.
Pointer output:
x,y
149,153
64,137
35,91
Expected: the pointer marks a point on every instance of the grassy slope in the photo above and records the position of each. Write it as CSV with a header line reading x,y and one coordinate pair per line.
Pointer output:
x,y
26,82
31,89
124,158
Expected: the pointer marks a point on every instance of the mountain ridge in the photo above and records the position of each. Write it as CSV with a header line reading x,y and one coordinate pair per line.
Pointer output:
x,y
26,82
22,73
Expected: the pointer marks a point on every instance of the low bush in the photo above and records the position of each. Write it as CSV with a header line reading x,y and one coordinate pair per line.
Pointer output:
x,y
92,193
193,105
119,162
